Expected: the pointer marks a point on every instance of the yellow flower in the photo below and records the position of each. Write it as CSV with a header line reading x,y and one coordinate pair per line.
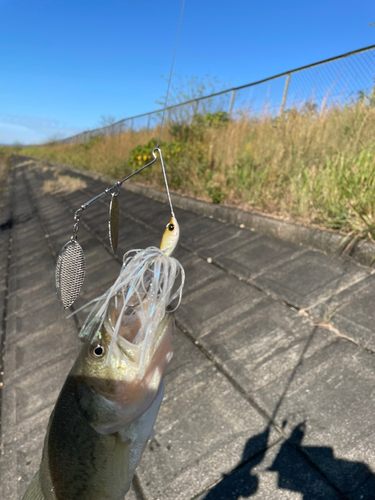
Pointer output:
x,y
144,157
139,157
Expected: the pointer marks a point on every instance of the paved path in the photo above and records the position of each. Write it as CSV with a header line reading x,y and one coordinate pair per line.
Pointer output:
x,y
270,394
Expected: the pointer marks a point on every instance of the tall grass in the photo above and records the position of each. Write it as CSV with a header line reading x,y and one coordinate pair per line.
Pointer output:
x,y
315,167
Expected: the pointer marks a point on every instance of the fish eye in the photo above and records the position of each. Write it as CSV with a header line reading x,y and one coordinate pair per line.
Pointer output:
x,y
97,351
170,227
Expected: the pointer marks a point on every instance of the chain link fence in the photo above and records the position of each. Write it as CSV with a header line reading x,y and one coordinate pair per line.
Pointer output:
x,y
340,80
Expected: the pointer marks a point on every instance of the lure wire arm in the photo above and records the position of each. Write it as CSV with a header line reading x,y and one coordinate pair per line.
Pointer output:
x,y
111,190
165,177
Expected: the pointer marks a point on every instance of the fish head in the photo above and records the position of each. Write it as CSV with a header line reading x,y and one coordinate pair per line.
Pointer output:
x,y
170,237
110,392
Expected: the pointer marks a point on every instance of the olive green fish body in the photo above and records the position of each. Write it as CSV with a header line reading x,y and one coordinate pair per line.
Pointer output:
x,y
79,463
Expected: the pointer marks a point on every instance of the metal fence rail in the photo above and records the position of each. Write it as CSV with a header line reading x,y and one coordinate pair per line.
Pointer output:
x,y
341,79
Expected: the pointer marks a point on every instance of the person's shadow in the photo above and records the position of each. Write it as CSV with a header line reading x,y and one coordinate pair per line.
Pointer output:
x,y
294,470
294,464
240,482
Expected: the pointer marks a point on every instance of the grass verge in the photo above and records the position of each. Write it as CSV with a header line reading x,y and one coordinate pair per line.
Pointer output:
x,y
315,167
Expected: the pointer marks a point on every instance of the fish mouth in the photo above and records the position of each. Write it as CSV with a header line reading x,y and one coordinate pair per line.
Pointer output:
x,y
130,338
130,322
121,396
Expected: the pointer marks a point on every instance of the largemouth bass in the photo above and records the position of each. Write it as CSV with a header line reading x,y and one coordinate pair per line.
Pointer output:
x,y
100,426
107,408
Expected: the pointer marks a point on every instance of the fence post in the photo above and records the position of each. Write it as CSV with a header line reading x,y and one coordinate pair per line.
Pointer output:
x,y
285,93
131,123
231,102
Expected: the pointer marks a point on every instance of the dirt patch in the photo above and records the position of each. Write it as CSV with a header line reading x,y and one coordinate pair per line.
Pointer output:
x,y
63,184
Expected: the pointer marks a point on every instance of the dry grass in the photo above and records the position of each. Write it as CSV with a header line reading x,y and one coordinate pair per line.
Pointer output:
x,y
105,155
63,184
309,166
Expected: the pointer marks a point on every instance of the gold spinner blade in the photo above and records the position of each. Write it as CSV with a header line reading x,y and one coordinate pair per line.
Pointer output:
x,y
114,222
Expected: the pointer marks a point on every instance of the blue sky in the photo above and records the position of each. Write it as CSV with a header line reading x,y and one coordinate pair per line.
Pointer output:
x,y
65,64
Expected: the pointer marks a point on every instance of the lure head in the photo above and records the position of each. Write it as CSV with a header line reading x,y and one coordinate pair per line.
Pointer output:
x,y
170,237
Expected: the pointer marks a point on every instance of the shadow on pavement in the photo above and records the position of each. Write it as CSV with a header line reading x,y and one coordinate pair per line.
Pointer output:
x,y
231,487
294,462
294,473
344,471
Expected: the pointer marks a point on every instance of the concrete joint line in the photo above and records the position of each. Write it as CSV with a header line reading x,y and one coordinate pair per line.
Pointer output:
x,y
232,381
5,308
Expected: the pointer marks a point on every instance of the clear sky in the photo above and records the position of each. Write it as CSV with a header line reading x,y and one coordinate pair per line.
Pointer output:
x,y
65,64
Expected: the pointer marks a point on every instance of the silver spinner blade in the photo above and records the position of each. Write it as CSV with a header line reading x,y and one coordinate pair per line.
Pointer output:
x,y
113,223
70,273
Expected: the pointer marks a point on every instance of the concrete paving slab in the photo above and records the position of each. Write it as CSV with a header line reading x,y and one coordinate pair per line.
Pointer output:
x,y
24,323
93,185
131,233
263,357
154,213
131,207
310,278
19,414
24,356
281,473
4,258
29,263
5,209
40,389
256,255
148,240
73,199
186,218
25,454
329,404
213,302
33,279
365,492
226,241
264,340
54,214
99,220
197,272
37,422
100,270
205,227
352,312
201,431
19,301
